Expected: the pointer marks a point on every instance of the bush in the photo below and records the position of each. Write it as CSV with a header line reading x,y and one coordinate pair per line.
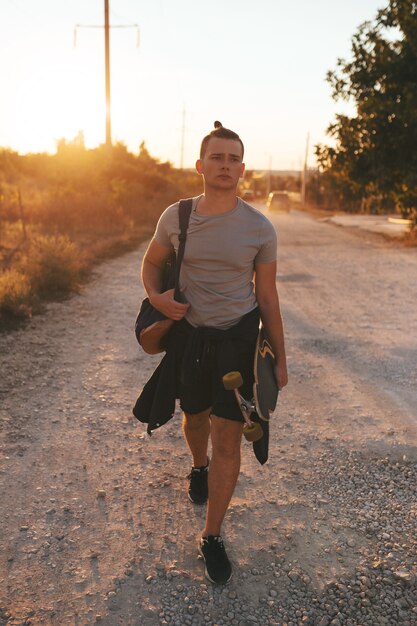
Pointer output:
x,y
53,265
15,294
104,202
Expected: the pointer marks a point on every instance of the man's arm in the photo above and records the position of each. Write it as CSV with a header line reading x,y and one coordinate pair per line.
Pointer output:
x,y
268,301
152,267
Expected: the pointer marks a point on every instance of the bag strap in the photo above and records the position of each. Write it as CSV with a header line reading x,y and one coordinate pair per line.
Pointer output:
x,y
184,213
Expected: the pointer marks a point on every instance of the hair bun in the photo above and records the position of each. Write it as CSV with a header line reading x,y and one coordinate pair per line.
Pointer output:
x,y
217,124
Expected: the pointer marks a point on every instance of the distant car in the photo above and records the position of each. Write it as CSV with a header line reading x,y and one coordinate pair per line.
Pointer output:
x,y
248,194
278,201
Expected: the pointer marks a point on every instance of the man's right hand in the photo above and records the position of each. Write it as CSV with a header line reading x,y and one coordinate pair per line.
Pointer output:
x,y
165,303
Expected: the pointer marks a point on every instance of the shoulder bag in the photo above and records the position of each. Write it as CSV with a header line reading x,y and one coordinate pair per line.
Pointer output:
x,y
151,326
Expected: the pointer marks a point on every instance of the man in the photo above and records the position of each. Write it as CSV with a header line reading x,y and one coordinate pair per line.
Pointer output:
x,y
228,280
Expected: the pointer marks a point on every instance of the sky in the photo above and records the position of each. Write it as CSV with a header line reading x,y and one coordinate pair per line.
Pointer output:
x,y
258,66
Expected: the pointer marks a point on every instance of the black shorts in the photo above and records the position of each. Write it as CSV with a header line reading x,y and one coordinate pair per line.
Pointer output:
x,y
207,354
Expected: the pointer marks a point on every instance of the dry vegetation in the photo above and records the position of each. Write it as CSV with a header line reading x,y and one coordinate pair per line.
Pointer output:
x,y
61,214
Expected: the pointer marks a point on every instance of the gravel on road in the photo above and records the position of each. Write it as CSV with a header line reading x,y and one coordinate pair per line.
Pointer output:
x,y
96,526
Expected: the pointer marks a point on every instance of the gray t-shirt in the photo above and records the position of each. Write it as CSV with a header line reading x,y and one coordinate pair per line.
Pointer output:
x,y
219,260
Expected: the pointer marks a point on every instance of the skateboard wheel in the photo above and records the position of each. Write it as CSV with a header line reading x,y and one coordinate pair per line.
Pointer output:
x,y
253,433
232,380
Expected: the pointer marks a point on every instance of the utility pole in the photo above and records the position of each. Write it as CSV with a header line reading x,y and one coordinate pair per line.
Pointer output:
x,y
107,71
107,27
304,174
268,185
182,138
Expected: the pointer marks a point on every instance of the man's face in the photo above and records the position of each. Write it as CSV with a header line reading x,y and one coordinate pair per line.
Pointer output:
x,y
222,164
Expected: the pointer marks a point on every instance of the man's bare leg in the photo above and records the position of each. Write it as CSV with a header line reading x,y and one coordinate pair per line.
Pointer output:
x,y
196,430
226,436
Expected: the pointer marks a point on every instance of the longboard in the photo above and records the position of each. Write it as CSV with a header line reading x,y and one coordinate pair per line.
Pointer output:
x,y
265,389
257,412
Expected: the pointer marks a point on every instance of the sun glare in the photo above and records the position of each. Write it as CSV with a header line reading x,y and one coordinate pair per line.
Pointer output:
x,y
57,103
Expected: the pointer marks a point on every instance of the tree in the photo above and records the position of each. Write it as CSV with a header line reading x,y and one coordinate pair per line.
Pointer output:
x,y
375,155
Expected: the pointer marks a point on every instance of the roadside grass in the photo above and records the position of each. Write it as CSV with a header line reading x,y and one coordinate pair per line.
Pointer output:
x,y
16,297
62,214
52,267
46,267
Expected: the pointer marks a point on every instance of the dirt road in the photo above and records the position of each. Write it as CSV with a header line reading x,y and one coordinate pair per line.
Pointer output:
x,y
96,526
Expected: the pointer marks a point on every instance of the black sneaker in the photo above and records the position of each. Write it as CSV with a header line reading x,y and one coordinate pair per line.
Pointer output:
x,y
198,489
218,568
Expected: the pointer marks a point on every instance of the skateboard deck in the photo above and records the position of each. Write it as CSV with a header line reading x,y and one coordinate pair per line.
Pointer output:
x,y
265,395
265,389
